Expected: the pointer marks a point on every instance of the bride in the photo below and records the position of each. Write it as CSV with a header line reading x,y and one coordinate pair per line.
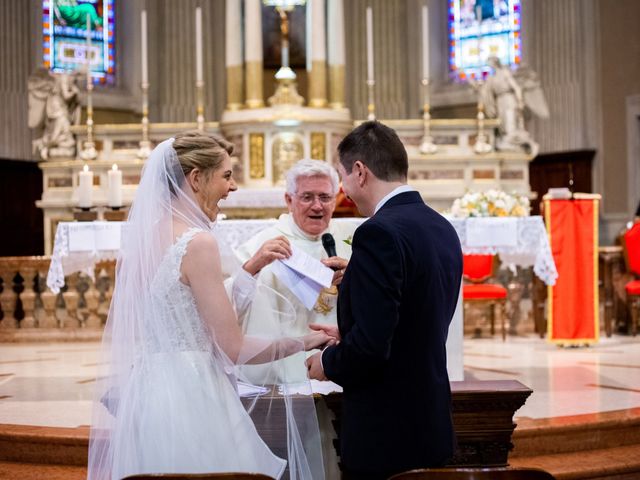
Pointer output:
x,y
168,395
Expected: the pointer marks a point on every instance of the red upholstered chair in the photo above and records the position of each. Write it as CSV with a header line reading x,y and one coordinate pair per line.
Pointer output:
x,y
631,245
477,269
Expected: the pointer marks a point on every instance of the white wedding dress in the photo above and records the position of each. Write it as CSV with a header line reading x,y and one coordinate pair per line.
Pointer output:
x,y
179,411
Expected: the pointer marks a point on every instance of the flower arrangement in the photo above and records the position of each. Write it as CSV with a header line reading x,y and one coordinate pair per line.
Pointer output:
x,y
492,203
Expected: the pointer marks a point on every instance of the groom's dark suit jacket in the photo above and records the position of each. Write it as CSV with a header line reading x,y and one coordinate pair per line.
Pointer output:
x,y
396,301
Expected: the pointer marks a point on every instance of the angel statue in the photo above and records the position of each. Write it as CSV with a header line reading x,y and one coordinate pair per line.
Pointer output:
x,y
53,107
512,97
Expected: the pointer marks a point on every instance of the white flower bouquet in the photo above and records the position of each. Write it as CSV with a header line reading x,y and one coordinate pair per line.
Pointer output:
x,y
492,203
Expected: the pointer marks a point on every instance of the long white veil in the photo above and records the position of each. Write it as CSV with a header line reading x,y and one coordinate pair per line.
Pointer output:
x,y
144,418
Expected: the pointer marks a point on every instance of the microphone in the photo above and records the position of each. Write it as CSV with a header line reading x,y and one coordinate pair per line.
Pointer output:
x,y
329,244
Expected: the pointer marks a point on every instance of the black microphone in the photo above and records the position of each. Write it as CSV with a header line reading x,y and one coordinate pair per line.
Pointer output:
x,y
329,244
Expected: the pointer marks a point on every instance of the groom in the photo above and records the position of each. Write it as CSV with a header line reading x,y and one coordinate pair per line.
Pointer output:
x,y
395,304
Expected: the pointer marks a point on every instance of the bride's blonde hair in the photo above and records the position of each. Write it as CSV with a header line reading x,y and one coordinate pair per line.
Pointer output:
x,y
205,151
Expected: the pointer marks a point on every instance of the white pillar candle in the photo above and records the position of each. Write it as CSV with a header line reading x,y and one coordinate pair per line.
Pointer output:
x,y
114,194
199,45
143,33
425,42
85,188
369,44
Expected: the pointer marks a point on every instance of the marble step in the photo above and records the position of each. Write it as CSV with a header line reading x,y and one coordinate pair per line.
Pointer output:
x,y
576,433
618,463
31,471
44,445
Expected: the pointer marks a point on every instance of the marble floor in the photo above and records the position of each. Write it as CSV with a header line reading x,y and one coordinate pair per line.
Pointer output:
x,y
52,384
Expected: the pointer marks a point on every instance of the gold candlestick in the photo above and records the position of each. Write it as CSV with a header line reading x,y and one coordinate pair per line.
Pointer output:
x,y
89,151
200,106
371,106
427,146
481,146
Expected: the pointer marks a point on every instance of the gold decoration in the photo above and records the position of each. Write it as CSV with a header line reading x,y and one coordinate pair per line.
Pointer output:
x,y
318,143
287,149
256,155
235,86
326,300
318,84
253,75
336,86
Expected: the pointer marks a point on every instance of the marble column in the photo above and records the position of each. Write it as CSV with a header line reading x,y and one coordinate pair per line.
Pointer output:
x,y
233,54
336,53
253,53
21,54
318,73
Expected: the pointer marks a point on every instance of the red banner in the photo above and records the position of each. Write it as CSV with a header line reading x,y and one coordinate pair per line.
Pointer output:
x,y
573,301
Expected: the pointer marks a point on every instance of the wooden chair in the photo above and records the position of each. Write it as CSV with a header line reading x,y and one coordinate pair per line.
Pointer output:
x,y
199,476
477,269
475,474
631,246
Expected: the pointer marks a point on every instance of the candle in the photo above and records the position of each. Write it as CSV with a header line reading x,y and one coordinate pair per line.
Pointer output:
x,y
198,45
369,45
143,29
85,188
114,194
425,42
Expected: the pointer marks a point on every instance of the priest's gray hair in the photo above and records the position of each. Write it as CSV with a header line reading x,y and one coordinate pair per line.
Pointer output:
x,y
311,168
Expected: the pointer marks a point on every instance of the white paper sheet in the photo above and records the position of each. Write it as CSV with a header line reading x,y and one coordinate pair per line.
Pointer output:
x,y
305,289
249,390
303,263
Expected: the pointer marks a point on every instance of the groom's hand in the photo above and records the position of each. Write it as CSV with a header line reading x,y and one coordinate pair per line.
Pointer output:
x,y
314,367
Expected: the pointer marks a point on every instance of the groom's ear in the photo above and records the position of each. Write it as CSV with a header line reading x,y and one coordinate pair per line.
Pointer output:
x,y
360,170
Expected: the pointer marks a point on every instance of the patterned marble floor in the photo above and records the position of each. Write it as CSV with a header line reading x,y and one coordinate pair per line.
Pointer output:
x,y
52,384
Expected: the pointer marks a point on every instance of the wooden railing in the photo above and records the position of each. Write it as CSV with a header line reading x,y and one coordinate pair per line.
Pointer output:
x,y
29,306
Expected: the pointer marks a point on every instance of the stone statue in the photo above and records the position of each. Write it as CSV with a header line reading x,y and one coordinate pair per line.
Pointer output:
x,y
512,97
53,107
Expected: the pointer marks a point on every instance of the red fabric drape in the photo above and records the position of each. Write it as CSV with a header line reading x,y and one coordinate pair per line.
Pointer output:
x,y
573,301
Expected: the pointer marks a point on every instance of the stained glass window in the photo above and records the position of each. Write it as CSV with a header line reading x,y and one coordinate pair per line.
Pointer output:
x,y
64,28
479,29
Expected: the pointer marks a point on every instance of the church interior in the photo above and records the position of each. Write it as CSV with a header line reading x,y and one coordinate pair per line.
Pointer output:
x,y
521,121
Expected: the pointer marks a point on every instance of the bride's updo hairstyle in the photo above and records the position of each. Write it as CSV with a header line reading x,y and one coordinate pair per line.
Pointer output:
x,y
205,151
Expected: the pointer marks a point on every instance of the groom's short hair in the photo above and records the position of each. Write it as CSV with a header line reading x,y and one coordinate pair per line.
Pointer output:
x,y
379,148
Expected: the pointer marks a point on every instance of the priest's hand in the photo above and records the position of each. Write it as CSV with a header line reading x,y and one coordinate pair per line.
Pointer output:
x,y
314,367
277,248
339,265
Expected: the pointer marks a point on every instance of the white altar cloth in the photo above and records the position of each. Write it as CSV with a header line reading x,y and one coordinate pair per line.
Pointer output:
x,y
531,247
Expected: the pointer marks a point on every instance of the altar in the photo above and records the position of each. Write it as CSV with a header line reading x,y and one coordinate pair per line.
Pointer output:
x,y
80,245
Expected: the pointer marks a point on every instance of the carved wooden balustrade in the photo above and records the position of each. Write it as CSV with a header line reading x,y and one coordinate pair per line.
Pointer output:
x,y
31,310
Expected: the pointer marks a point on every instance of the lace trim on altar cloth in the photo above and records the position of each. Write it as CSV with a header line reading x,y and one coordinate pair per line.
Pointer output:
x,y
532,248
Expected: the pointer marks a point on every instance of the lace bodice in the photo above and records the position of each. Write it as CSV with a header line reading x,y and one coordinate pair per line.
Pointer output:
x,y
172,321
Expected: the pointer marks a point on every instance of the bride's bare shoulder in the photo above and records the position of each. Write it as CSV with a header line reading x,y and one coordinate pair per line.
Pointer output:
x,y
202,247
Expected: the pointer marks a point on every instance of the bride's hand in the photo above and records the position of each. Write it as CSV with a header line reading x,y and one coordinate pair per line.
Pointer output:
x,y
277,248
317,340
330,330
